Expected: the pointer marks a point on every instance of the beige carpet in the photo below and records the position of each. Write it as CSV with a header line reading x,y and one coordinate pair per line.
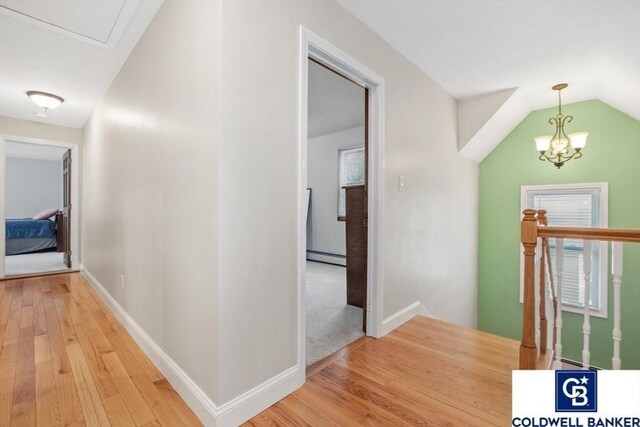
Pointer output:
x,y
331,323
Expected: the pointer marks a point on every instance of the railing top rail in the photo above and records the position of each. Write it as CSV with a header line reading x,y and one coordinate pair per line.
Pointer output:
x,y
610,234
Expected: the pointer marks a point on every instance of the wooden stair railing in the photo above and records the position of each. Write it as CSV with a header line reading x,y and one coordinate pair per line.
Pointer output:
x,y
535,232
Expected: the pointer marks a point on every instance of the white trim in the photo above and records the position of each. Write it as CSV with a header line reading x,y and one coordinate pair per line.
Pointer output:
x,y
75,193
327,258
603,187
2,206
313,46
229,414
186,388
256,400
403,316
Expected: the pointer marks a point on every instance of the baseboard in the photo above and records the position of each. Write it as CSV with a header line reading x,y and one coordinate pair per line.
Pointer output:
x,y
402,316
327,258
232,413
246,406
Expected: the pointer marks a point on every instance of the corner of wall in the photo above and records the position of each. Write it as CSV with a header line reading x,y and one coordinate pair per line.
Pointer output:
x,y
402,316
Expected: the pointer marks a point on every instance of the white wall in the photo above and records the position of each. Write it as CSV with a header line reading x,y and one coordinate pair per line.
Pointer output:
x,y
39,130
210,252
430,228
474,113
150,184
32,186
324,232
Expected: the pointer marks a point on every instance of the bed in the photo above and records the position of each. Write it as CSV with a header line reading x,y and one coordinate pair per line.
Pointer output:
x,y
25,235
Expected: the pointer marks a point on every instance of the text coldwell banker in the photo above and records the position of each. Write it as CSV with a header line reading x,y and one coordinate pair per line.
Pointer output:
x,y
576,422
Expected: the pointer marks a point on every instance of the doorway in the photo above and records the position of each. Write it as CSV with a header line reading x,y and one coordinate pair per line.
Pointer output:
x,y
38,188
336,261
316,54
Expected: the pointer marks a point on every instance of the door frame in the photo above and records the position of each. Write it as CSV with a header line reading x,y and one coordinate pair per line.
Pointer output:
x,y
75,193
314,47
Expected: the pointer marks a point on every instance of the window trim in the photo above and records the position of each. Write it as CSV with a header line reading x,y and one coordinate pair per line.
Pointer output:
x,y
340,185
603,187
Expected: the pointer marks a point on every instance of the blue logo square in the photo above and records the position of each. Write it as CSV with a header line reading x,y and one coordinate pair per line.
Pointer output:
x,y
576,391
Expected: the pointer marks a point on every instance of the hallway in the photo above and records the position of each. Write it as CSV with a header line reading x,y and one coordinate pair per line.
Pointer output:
x,y
426,372
66,360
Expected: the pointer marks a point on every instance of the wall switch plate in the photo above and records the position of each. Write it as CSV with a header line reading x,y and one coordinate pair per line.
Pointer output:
x,y
400,183
122,281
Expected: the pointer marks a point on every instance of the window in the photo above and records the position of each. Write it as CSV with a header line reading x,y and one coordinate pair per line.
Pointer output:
x,y
351,172
575,205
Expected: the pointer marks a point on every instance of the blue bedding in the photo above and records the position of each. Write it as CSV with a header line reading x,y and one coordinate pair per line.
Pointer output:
x,y
26,228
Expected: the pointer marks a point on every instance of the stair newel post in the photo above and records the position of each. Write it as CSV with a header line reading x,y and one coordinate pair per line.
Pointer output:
x,y
542,304
529,238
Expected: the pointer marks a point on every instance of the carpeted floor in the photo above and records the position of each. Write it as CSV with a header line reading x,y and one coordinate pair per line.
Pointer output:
x,y
34,263
331,323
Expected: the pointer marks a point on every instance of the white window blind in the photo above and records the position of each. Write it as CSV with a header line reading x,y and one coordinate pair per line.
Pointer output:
x,y
351,169
573,208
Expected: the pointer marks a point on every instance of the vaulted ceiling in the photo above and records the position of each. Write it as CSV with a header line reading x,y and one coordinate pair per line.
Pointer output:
x,y
491,48
499,58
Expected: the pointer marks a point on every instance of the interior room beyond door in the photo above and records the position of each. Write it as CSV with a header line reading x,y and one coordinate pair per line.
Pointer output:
x,y
37,198
336,278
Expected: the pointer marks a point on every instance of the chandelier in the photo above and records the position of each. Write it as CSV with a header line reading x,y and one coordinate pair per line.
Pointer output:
x,y
560,148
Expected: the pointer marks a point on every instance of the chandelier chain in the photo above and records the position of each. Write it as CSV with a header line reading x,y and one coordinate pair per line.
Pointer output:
x,y
560,102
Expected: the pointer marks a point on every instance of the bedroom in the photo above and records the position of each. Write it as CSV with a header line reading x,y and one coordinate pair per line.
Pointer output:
x,y
35,192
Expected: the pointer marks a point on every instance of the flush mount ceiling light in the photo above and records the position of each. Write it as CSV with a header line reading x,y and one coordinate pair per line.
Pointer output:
x,y
560,148
45,100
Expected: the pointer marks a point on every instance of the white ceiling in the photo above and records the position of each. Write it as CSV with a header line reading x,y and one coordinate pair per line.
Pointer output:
x,y
472,48
24,150
72,48
335,103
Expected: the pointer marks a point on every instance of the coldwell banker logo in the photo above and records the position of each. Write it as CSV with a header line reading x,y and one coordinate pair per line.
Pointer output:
x,y
602,398
576,391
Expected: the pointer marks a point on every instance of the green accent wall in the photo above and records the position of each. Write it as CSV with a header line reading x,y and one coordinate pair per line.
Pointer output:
x,y
612,155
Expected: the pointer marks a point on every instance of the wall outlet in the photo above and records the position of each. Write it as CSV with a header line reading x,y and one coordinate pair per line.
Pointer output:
x,y
122,281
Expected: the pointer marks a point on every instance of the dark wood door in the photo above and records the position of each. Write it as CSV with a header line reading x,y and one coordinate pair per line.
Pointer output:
x,y
356,230
66,207
356,243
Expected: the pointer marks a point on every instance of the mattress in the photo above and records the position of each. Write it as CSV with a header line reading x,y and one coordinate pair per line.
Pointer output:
x,y
24,246
27,228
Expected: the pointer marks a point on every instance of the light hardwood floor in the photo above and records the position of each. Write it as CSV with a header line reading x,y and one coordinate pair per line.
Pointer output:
x,y
66,361
425,373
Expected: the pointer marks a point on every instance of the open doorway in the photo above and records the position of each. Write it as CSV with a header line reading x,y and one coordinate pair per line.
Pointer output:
x,y
336,250
325,54
37,191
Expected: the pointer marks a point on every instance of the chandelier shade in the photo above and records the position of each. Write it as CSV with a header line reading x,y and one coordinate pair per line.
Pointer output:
x,y
559,148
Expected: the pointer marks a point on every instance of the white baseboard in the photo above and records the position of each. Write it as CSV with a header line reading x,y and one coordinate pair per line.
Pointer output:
x,y
256,400
402,316
328,258
229,414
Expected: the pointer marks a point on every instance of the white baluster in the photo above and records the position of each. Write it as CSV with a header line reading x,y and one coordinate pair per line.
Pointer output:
x,y
616,271
550,293
537,294
586,326
557,364
550,325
